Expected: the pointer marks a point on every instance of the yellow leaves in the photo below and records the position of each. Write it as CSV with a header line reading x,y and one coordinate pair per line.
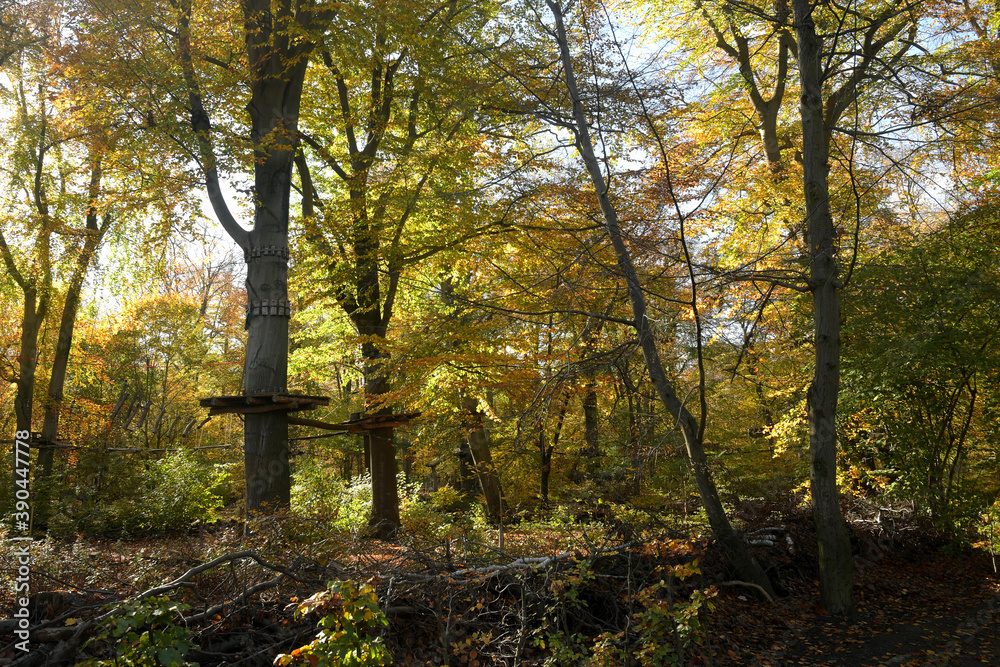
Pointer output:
x,y
313,603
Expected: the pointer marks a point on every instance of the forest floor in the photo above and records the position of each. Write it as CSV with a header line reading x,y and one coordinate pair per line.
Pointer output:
x,y
917,605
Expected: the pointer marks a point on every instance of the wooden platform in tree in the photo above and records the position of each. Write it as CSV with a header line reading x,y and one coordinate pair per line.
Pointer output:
x,y
36,442
358,424
266,402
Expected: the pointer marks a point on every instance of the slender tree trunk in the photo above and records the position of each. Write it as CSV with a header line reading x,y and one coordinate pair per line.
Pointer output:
x,y
591,413
32,317
31,321
546,450
482,459
764,408
466,482
836,568
64,343
591,416
734,546
631,396
544,465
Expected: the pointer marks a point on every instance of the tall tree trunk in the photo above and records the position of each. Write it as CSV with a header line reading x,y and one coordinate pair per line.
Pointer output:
x,y
365,309
835,565
546,450
32,317
591,413
64,343
692,431
266,365
467,483
385,495
36,285
278,50
384,520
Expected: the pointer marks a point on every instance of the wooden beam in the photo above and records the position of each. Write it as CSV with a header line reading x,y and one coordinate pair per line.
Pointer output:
x,y
320,437
265,407
122,397
358,425
302,421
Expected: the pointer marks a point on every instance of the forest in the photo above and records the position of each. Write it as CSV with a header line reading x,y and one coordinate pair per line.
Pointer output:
x,y
499,332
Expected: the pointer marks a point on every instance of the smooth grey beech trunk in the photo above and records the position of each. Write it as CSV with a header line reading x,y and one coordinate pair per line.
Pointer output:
x,y
835,565
265,369
366,313
370,314
731,542
278,53
278,59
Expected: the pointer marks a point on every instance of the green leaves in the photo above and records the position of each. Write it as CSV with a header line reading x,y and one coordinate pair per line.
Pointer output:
x,y
351,616
921,352
147,635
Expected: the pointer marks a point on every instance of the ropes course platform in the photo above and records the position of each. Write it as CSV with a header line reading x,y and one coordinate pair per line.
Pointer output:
x,y
263,402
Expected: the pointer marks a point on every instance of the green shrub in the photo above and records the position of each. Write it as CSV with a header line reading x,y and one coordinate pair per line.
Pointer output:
x,y
342,505
351,616
436,518
167,494
183,490
144,634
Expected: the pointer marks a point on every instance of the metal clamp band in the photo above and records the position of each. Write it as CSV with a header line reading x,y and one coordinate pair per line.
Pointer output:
x,y
279,307
265,251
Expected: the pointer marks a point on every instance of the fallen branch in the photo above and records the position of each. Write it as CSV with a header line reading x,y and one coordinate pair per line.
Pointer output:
x,y
256,588
749,584
527,562
69,647
166,588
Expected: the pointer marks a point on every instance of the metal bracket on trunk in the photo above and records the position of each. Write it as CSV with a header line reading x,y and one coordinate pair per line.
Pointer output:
x,y
279,307
265,251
